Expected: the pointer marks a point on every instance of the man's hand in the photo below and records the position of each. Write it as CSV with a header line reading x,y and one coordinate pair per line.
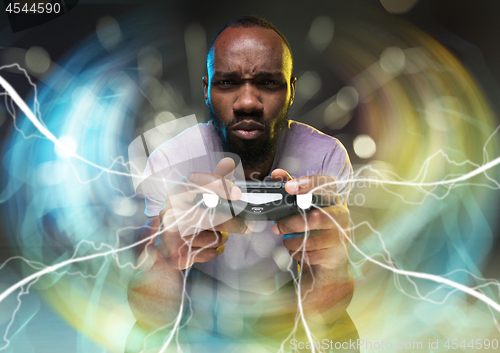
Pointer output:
x,y
187,234
319,236
317,239
190,233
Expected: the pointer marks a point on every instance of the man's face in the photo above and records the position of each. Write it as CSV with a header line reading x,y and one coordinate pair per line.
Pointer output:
x,y
248,90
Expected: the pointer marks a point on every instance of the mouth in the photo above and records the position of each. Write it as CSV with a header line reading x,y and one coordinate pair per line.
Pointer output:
x,y
248,130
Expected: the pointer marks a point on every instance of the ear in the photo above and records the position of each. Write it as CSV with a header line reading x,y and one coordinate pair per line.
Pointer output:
x,y
204,80
293,81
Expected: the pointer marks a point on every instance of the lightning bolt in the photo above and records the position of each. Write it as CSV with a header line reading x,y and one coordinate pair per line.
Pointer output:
x,y
28,281
41,127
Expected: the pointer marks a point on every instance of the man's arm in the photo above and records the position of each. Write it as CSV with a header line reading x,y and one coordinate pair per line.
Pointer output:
x,y
186,234
154,293
326,286
326,293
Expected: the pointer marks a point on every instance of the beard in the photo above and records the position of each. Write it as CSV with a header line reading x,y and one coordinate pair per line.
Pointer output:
x,y
254,154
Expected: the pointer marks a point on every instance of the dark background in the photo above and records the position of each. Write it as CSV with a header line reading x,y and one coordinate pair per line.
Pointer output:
x,y
468,28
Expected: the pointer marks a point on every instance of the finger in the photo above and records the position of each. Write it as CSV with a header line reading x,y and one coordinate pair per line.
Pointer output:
x,y
235,225
186,256
197,219
168,222
319,218
314,240
330,257
281,175
197,183
208,254
225,168
338,201
317,184
207,239
189,219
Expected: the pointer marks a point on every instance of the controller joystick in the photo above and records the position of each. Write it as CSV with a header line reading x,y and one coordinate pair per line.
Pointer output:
x,y
211,200
304,201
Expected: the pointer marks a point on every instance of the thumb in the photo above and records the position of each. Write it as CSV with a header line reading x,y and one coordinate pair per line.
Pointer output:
x,y
225,168
280,175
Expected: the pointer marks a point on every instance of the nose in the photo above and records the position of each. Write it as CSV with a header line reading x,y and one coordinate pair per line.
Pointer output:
x,y
248,100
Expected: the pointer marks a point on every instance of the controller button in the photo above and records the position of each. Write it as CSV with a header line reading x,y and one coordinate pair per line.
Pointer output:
x,y
257,209
210,200
304,201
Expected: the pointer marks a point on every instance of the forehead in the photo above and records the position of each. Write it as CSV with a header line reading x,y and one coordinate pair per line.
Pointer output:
x,y
249,50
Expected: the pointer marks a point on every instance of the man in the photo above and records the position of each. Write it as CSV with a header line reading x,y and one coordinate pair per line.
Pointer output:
x,y
238,276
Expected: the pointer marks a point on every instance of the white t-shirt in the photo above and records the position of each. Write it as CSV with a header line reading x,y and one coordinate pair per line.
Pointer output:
x,y
255,262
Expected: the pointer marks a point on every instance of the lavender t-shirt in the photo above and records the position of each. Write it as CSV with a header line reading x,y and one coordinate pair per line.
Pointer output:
x,y
257,262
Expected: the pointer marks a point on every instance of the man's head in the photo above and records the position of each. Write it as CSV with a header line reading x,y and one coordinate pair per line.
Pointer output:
x,y
249,88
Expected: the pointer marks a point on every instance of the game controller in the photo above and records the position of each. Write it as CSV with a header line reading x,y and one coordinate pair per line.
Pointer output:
x,y
264,201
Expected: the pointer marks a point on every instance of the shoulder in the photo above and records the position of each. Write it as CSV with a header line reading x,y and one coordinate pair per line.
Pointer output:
x,y
305,150
320,148
308,131
307,135
326,151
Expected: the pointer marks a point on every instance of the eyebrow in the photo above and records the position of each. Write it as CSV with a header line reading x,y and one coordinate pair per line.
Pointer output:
x,y
258,74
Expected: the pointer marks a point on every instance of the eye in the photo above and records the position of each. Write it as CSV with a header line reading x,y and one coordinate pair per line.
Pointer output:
x,y
271,84
224,83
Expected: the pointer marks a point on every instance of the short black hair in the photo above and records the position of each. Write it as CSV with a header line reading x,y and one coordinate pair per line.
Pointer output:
x,y
250,21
